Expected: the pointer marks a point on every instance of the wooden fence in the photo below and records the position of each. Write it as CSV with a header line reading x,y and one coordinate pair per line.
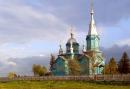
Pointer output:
x,y
82,78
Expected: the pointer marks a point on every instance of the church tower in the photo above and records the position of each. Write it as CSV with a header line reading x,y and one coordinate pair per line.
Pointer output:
x,y
92,37
96,60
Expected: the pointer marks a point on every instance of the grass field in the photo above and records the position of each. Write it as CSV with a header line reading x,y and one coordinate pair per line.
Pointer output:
x,y
60,85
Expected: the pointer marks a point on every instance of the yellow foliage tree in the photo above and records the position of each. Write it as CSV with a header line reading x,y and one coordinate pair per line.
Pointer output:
x,y
39,70
12,75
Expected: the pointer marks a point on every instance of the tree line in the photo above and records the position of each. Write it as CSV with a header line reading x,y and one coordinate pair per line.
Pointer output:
x,y
121,67
38,70
112,67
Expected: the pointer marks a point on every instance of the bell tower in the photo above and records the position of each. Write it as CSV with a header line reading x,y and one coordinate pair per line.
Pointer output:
x,y
96,61
92,38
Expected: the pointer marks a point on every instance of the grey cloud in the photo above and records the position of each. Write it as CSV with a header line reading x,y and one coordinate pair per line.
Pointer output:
x,y
23,65
77,11
112,11
116,52
19,23
29,20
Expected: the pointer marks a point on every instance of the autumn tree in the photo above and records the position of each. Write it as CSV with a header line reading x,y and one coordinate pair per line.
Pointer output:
x,y
106,69
74,67
124,64
12,75
34,69
52,61
39,70
113,68
42,71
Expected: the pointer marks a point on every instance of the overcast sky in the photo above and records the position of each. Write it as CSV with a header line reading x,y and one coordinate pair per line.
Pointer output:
x,y
37,27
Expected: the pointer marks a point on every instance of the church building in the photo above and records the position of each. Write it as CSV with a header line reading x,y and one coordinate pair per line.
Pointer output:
x,y
89,61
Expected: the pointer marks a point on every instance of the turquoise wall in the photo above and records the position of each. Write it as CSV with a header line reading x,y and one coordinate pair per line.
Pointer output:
x,y
60,67
75,48
84,65
92,42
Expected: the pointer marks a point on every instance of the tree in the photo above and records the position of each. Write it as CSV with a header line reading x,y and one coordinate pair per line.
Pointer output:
x,y
34,69
52,61
74,67
106,69
12,75
39,70
113,68
124,65
42,71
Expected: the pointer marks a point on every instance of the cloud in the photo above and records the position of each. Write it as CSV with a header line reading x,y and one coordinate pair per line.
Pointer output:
x,y
12,63
124,42
106,12
41,55
112,11
22,23
115,51
23,66
31,20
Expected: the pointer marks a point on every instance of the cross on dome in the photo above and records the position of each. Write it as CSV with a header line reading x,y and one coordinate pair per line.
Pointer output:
x,y
72,39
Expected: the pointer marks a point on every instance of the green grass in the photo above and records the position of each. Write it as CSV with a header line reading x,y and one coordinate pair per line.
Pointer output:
x,y
61,85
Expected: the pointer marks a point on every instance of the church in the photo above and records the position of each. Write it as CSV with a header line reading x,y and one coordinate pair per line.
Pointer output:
x,y
90,61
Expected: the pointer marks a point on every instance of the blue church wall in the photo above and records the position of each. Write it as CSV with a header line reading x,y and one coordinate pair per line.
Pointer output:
x,y
84,65
100,66
60,68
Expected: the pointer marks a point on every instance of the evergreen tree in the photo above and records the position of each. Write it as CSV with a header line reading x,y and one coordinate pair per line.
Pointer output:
x,y
74,67
124,64
113,68
52,61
